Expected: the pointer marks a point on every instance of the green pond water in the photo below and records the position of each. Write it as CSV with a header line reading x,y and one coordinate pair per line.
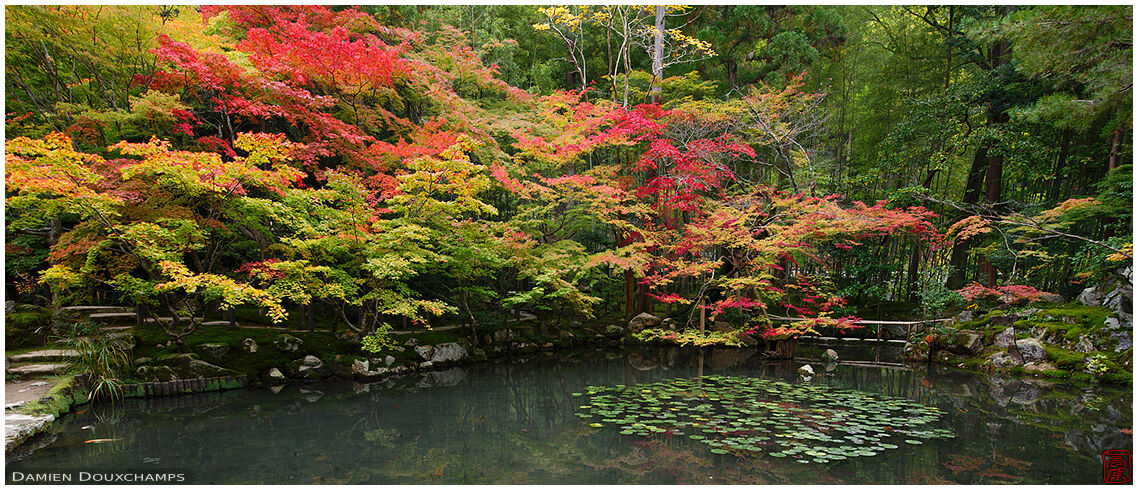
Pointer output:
x,y
659,416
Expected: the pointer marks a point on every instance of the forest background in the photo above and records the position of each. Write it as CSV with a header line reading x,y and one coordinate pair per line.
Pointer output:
x,y
390,166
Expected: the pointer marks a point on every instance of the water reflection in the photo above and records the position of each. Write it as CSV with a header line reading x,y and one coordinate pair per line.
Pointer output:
x,y
513,422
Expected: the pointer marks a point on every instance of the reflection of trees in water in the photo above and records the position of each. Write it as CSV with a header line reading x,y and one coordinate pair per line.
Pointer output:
x,y
515,423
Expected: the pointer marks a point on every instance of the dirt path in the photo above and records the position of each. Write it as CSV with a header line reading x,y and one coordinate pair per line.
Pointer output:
x,y
26,390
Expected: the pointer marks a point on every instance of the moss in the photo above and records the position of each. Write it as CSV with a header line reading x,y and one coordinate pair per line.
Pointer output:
x,y
1065,359
1090,316
1120,378
321,344
58,400
1057,373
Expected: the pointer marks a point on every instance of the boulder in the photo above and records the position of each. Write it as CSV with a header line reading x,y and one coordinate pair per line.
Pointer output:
x,y
287,343
806,371
643,321
1052,298
830,355
721,326
310,367
964,316
965,342
1031,350
360,367
1005,339
1002,360
668,323
215,351
1005,320
276,376
1091,297
156,373
613,330
1111,324
1124,340
183,366
388,361
445,352
250,345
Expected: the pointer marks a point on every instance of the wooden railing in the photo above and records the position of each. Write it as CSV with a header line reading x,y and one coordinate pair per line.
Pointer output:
x,y
879,323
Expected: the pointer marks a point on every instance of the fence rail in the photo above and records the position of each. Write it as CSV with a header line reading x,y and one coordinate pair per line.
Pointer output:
x,y
880,323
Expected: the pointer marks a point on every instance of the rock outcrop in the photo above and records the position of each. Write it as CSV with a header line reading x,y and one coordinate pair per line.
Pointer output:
x,y
643,321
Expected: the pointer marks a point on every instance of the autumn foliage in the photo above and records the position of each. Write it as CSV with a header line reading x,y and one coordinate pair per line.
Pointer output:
x,y
316,157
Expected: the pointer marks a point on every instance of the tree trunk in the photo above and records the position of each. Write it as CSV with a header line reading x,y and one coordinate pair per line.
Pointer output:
x,y
658,57
1114,149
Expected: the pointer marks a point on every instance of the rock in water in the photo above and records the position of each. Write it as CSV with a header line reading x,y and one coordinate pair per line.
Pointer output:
x,y
275,375
642,321
830,355
287,343
445,352
806,371
360,367
311,367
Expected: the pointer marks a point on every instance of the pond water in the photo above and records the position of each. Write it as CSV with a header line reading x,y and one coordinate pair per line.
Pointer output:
x,y
518,422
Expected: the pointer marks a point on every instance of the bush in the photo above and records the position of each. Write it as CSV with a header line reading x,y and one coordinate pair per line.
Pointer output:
x,y
100,357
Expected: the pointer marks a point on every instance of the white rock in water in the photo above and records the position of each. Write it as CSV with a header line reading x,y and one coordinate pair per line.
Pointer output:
x,y
806,370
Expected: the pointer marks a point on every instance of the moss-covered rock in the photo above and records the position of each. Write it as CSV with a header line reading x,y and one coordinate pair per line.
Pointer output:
x,y
181,366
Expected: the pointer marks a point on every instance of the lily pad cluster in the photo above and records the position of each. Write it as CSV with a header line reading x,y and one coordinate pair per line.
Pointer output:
x,y
749,416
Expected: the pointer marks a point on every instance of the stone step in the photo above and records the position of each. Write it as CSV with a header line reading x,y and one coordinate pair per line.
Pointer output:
x,y
118,328
113,315
113,318
167,319
44,355
88,310
30,369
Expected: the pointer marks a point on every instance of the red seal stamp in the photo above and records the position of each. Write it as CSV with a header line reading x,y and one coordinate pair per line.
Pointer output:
x,y
1116,466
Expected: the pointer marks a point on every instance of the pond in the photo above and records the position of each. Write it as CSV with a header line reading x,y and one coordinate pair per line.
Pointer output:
x,y
520,421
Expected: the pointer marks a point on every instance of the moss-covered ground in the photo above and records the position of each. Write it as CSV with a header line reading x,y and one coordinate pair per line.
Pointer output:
x,y
1061,327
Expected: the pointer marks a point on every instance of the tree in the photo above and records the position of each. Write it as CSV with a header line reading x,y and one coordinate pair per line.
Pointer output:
x,y
151,225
